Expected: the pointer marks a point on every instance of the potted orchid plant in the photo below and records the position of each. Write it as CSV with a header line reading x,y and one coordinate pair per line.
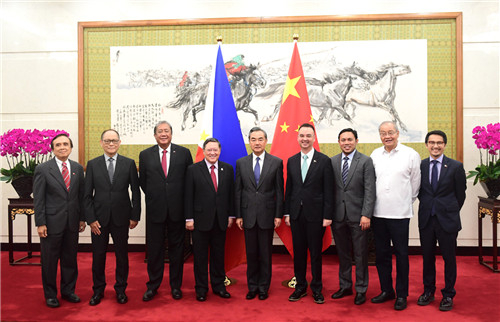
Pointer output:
x,y
487,140
24,150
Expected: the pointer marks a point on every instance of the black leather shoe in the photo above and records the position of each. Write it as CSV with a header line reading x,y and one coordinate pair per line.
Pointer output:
x,y
224,294
425,299
384,297
121,298
96,299
318,298
263,296
360,298
446,304
341,293
400,304
251,295
202,297
53,303
176,294
73,298
148,296
297,295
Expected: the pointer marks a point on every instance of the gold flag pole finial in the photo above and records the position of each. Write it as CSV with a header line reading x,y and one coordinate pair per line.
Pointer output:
x,y
219,38
296,37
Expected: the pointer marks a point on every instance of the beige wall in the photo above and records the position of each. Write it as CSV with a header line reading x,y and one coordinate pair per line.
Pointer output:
x,y
39,68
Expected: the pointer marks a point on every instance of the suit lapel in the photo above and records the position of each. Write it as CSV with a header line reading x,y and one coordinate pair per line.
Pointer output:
x,y
444,171
249,165
173,159
352,168
425,173
337,163
56,173
265,168
312,166
101,166
155,157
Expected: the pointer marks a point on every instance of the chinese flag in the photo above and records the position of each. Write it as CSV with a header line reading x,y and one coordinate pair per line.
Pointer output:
x,y
295,110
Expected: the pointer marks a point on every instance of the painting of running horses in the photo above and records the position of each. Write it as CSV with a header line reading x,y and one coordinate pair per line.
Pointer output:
x,y
355,84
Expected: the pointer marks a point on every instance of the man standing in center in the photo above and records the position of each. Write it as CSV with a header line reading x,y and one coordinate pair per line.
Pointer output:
x,y
209,212
355,198
397,168
308,210
259,208
162,170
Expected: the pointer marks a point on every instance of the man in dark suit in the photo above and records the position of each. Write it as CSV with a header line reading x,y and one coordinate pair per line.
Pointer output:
x,y
109,210
442,195
59,216
209,205
308,210
259,208
355,198
162,170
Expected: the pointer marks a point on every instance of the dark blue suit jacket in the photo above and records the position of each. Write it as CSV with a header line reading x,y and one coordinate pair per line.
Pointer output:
x,y
449,197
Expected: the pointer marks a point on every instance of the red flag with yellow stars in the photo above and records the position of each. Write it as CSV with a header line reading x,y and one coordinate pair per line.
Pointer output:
x,y
295,110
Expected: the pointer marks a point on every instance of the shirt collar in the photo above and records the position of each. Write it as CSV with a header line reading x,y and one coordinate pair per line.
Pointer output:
x,y
106,157
59,162
168,148
261,157
309,154
440,159
209,165
350,155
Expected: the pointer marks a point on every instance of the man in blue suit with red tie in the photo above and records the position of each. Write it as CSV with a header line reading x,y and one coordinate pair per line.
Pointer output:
x,y
442,195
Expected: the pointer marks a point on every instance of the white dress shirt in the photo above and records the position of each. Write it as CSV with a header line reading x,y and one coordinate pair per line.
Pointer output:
x,y
398,181
261,160
310,155
167,155
59,165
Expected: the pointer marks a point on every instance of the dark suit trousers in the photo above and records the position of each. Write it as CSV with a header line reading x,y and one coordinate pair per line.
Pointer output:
x,y
259,249
156,252
204,243
397,230
61,247
307,236
99,248
431,233
350,238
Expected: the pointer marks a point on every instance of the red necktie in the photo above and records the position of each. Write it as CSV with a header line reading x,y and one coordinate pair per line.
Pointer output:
x,y
65,174
214,178
164,162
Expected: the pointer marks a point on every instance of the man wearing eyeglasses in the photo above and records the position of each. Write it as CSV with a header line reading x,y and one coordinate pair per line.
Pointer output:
x,y
109,210
442,195
397,169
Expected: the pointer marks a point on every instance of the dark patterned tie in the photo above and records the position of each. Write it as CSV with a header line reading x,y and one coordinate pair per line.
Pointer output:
x,y
111,170
65,174
345,169
214,178
434,175
256,170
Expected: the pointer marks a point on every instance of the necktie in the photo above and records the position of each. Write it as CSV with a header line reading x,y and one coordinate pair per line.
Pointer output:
x,y
214,178
345,169
304,168
111,169
164,162
434,175
65,174
256,170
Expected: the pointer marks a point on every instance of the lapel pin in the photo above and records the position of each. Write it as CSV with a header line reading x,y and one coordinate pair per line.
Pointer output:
x,y
446,166
221,169
314,161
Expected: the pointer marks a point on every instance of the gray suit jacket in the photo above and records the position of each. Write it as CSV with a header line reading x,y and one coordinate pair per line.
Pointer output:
x,y
55,206
357,197
259,204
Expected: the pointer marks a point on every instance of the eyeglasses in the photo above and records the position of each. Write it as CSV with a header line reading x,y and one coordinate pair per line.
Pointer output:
x,y
390,133
107,142
435,143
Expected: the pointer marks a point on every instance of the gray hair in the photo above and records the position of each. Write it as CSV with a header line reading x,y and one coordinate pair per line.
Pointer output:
x,y
256,129
163,122
389,122
110,130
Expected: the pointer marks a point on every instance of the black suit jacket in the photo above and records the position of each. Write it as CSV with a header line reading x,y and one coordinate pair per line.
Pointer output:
x,y
164,195
357,197
315,194
55,206
449,197
259,204
202,202
105,201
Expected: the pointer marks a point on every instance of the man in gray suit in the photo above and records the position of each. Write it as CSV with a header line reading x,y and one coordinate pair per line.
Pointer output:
x,y
354,201
259,204
59,216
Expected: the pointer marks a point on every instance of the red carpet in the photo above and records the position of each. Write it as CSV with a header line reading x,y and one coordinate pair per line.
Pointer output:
x,y
478,296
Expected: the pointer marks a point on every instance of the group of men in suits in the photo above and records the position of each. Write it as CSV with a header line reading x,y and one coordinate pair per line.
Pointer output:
x,y
351,192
